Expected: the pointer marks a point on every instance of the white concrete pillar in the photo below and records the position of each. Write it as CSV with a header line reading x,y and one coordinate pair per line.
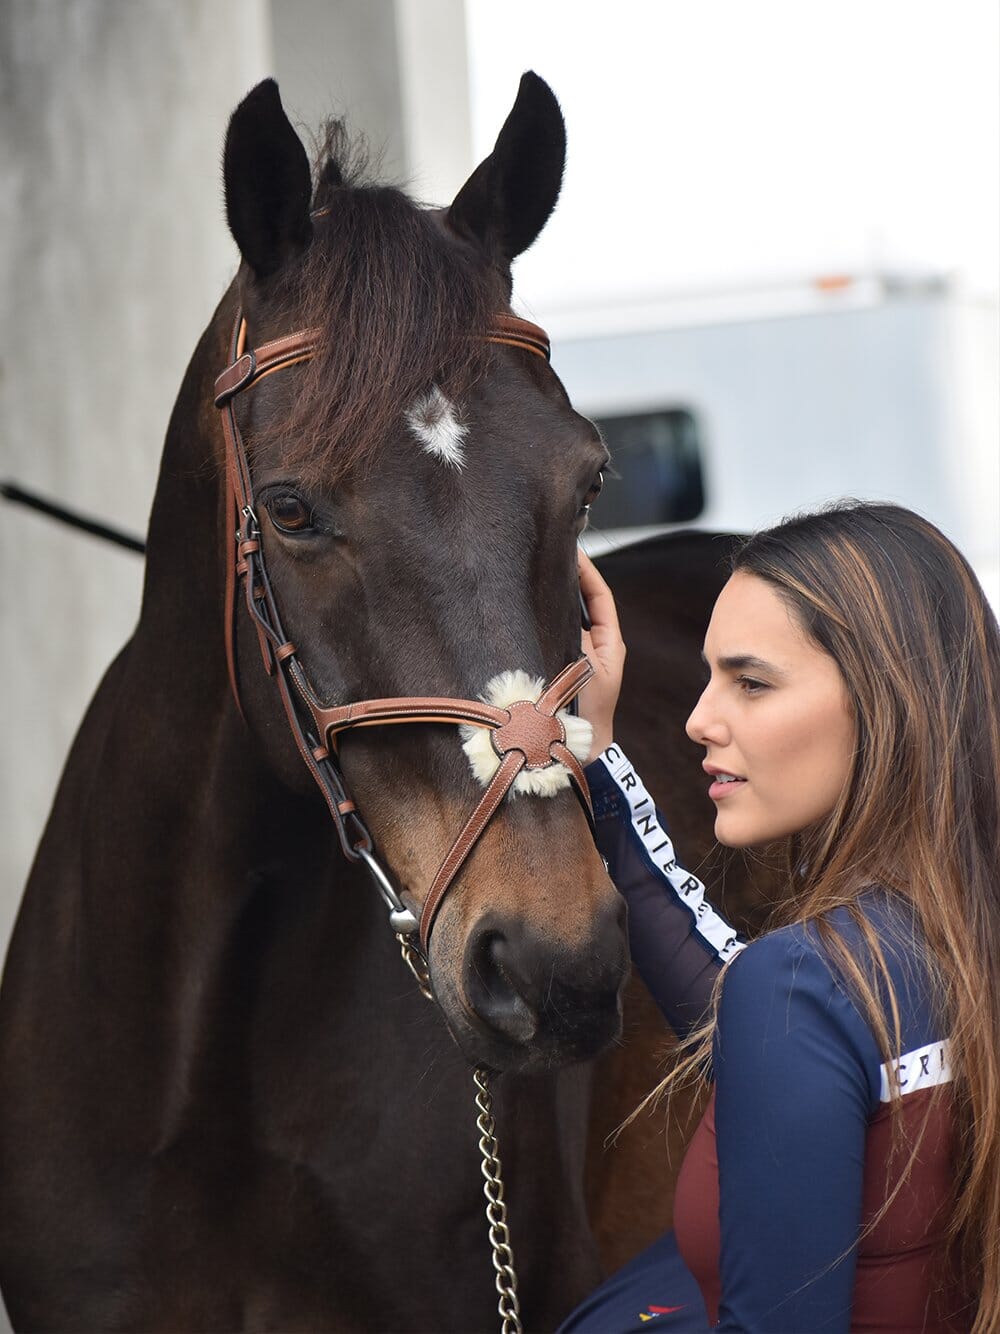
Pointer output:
x,y
396,69
114,252
437,120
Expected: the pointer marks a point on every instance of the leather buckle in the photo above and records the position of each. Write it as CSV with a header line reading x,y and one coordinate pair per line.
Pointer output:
x,y
234,378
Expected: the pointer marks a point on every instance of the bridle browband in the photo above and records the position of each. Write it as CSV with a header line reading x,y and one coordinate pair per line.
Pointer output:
x,y
526,734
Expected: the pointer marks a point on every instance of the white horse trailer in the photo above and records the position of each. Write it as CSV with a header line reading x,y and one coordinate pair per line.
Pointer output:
x,y
730,412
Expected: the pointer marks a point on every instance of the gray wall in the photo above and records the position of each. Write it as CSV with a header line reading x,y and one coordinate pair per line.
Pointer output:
x,y
397,69
114,253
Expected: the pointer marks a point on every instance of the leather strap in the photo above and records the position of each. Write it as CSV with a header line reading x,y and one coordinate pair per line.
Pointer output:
x,y
512,331
252,366
247,368
499,786
230,605
405,709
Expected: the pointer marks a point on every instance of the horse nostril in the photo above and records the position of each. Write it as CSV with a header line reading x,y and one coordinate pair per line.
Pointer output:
x,y
492,991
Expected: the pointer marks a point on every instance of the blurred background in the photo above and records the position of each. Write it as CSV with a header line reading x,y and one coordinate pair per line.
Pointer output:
x,y
772,276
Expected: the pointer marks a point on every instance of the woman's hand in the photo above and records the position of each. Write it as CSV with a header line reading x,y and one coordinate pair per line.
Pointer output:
x,y
604,646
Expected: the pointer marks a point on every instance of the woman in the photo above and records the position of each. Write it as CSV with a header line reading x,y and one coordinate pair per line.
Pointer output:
x,y
846,1174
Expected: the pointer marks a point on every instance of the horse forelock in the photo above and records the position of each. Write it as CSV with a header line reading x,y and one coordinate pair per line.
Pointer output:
x,y
403,309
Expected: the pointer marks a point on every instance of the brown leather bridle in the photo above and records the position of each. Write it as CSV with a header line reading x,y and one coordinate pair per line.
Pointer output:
x,y
528,734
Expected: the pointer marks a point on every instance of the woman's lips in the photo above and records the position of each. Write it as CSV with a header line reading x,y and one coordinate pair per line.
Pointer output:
x,y
720,789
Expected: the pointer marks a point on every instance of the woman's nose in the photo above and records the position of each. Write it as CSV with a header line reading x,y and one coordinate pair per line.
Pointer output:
x,y
704,725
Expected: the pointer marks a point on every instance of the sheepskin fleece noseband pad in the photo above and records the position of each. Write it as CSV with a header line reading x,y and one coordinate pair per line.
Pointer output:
x,y
503,691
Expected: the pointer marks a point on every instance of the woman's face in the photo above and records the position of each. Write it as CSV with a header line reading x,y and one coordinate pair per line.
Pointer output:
x,y
775,719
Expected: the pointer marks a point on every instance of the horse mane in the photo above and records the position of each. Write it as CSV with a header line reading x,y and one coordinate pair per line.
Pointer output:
x,y
403,307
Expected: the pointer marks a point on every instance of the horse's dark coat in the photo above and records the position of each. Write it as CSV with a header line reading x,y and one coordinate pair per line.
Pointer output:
x,y
225,1104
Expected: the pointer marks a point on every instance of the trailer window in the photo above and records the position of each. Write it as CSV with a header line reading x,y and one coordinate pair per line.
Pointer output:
x,y
655,474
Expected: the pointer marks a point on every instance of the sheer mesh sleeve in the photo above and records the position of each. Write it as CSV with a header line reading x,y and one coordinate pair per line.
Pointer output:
x,y
679,942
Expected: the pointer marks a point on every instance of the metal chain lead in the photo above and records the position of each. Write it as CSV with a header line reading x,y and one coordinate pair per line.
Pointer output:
x,y
417,965
496,1209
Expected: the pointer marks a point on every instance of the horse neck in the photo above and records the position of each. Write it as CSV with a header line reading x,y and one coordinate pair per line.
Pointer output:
x,y
180,623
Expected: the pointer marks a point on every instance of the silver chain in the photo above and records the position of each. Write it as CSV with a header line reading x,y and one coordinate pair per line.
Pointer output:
x,y
417,965
496,1209
492,1169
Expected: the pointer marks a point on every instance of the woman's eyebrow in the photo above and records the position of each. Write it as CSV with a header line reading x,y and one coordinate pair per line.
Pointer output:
x,y
739,662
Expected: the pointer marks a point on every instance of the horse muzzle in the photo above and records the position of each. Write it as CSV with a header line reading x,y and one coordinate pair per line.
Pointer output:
x,y
535,980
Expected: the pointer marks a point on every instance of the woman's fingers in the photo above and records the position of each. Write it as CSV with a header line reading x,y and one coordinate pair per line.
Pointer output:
x,y
596,593
605,648
605,632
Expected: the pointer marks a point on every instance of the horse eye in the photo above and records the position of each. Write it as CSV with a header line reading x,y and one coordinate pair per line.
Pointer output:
x,y
290,513
597,486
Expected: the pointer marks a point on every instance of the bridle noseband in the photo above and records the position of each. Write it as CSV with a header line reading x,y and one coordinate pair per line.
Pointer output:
x,y
527,733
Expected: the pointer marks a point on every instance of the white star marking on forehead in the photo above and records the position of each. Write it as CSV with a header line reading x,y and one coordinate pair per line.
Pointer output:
x,y
434,421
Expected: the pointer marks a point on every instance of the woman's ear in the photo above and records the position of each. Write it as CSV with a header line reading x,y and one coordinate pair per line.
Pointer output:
x,y
268,183
507,200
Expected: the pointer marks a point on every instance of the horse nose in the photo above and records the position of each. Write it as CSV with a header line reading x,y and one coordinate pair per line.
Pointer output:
x,y
525,985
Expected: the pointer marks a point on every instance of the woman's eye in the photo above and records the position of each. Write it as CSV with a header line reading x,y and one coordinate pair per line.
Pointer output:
x,y
290,513
750,686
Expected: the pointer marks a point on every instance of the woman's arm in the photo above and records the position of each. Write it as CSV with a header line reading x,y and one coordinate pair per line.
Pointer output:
x,y
678,942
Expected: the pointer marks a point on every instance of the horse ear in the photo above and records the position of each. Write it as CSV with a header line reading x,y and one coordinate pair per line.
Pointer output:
x,y
268,183
507,200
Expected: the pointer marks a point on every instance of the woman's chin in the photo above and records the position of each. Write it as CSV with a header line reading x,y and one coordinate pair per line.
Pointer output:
x,y
729,832
731,840
733,833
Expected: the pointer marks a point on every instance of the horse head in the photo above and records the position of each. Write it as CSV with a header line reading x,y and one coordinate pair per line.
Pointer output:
x,y
419,484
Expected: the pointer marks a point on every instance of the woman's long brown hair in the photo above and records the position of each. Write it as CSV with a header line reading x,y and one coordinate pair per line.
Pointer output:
x,y
898,608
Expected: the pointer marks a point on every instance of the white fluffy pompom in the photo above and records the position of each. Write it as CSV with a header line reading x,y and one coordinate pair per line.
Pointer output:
x,y
501,692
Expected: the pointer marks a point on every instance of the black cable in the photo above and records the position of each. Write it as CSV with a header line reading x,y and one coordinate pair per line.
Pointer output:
x,y
17,494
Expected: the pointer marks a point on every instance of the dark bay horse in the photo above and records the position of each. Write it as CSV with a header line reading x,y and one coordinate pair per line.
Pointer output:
x,y
226,1104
